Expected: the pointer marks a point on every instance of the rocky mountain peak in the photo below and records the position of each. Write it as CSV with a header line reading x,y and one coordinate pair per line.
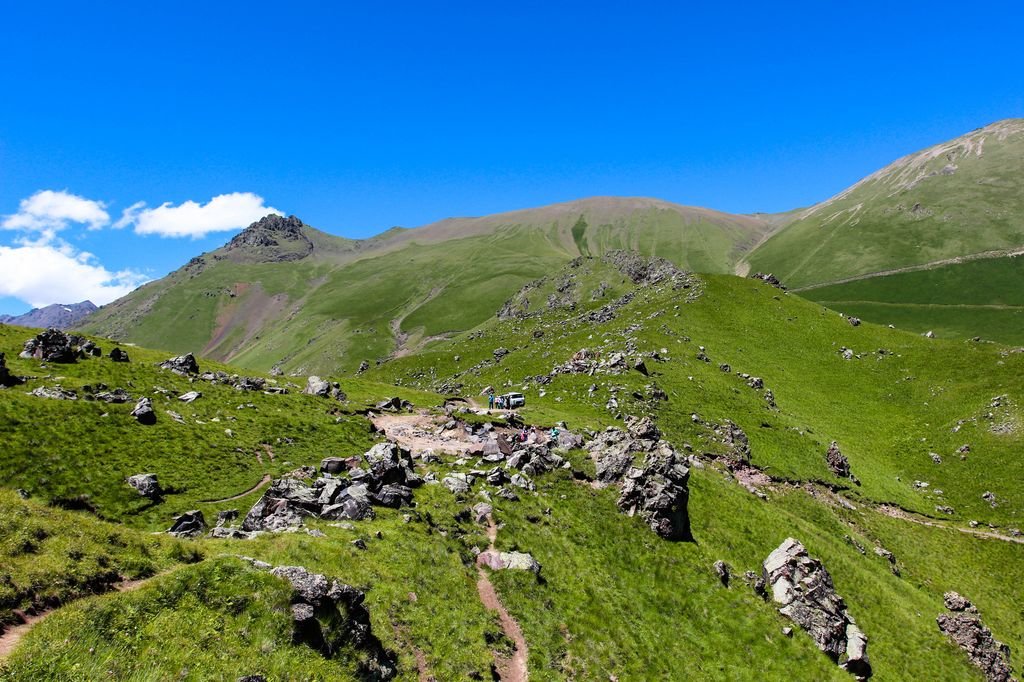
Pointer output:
x,y
280,237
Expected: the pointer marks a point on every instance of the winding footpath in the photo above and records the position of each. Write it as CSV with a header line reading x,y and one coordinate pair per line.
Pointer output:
x,y
509,669
12,636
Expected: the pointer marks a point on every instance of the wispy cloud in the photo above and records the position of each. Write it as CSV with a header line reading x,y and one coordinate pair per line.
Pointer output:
x,y
45,274
191,219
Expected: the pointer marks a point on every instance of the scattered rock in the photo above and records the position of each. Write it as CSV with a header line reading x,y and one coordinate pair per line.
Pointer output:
x,y
769,278
989,497
190,397
804,588
183,364
54,393
118,355
146,485
964,628
143,412
458,484
855,321
323,388
191,524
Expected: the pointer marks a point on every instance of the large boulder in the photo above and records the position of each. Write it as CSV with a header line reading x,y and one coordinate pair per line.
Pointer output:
x,y
146,485
183,364
191,524
804,588
323,388
284,505
964,628
53,393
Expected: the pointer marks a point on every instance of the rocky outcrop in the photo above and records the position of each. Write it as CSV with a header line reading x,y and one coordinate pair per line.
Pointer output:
x,y
658,488
51,345
804,588
183,364
837,461
348,492
273,238
964,628
146,485
330,616
119,355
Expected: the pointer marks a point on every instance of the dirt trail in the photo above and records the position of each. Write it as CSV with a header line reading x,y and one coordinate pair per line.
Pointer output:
x,y
419,432
263,481
509,669
13,635
897,513
1001,253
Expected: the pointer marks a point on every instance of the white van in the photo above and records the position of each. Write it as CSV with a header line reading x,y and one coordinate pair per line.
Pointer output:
x,y
513,400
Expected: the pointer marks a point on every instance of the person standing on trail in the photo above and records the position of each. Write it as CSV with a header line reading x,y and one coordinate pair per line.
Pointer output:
x,y
490,401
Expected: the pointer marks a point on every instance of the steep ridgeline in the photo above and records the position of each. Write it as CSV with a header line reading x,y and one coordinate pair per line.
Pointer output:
x,y
283,295
926,243
956,199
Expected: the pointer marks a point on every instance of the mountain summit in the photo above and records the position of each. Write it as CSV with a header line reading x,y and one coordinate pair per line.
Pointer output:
x,y
270,239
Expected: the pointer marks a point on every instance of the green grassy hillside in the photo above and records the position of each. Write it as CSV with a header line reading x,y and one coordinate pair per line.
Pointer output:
x,y
345,302
955,199
613,599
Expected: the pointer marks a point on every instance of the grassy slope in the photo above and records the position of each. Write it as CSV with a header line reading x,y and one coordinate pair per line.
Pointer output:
x,y
51,556
887,221
616,599
960,301
337,308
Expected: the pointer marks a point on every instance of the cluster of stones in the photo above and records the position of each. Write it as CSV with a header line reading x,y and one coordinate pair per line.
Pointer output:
x,y
658,488
346,490
803,587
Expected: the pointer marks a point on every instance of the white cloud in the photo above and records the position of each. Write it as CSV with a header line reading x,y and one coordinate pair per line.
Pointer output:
x,y
42,274
190,219
49,212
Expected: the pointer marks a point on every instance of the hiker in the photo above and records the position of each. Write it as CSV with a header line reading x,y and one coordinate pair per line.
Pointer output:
x,y
490,401
554,432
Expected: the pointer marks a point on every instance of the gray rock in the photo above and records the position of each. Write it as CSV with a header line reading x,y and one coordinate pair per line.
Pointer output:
x,y
723,571
51,345
190,397
191,524
513,561
481,511
183,364
803,587
119,355
143,412
54,393
458,484
837,462
146,485
317,386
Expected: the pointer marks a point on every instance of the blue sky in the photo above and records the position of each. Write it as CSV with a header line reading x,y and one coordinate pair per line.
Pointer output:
x,y
357,117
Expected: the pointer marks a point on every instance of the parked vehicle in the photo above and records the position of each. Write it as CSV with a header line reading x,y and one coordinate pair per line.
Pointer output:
x,y
513,400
